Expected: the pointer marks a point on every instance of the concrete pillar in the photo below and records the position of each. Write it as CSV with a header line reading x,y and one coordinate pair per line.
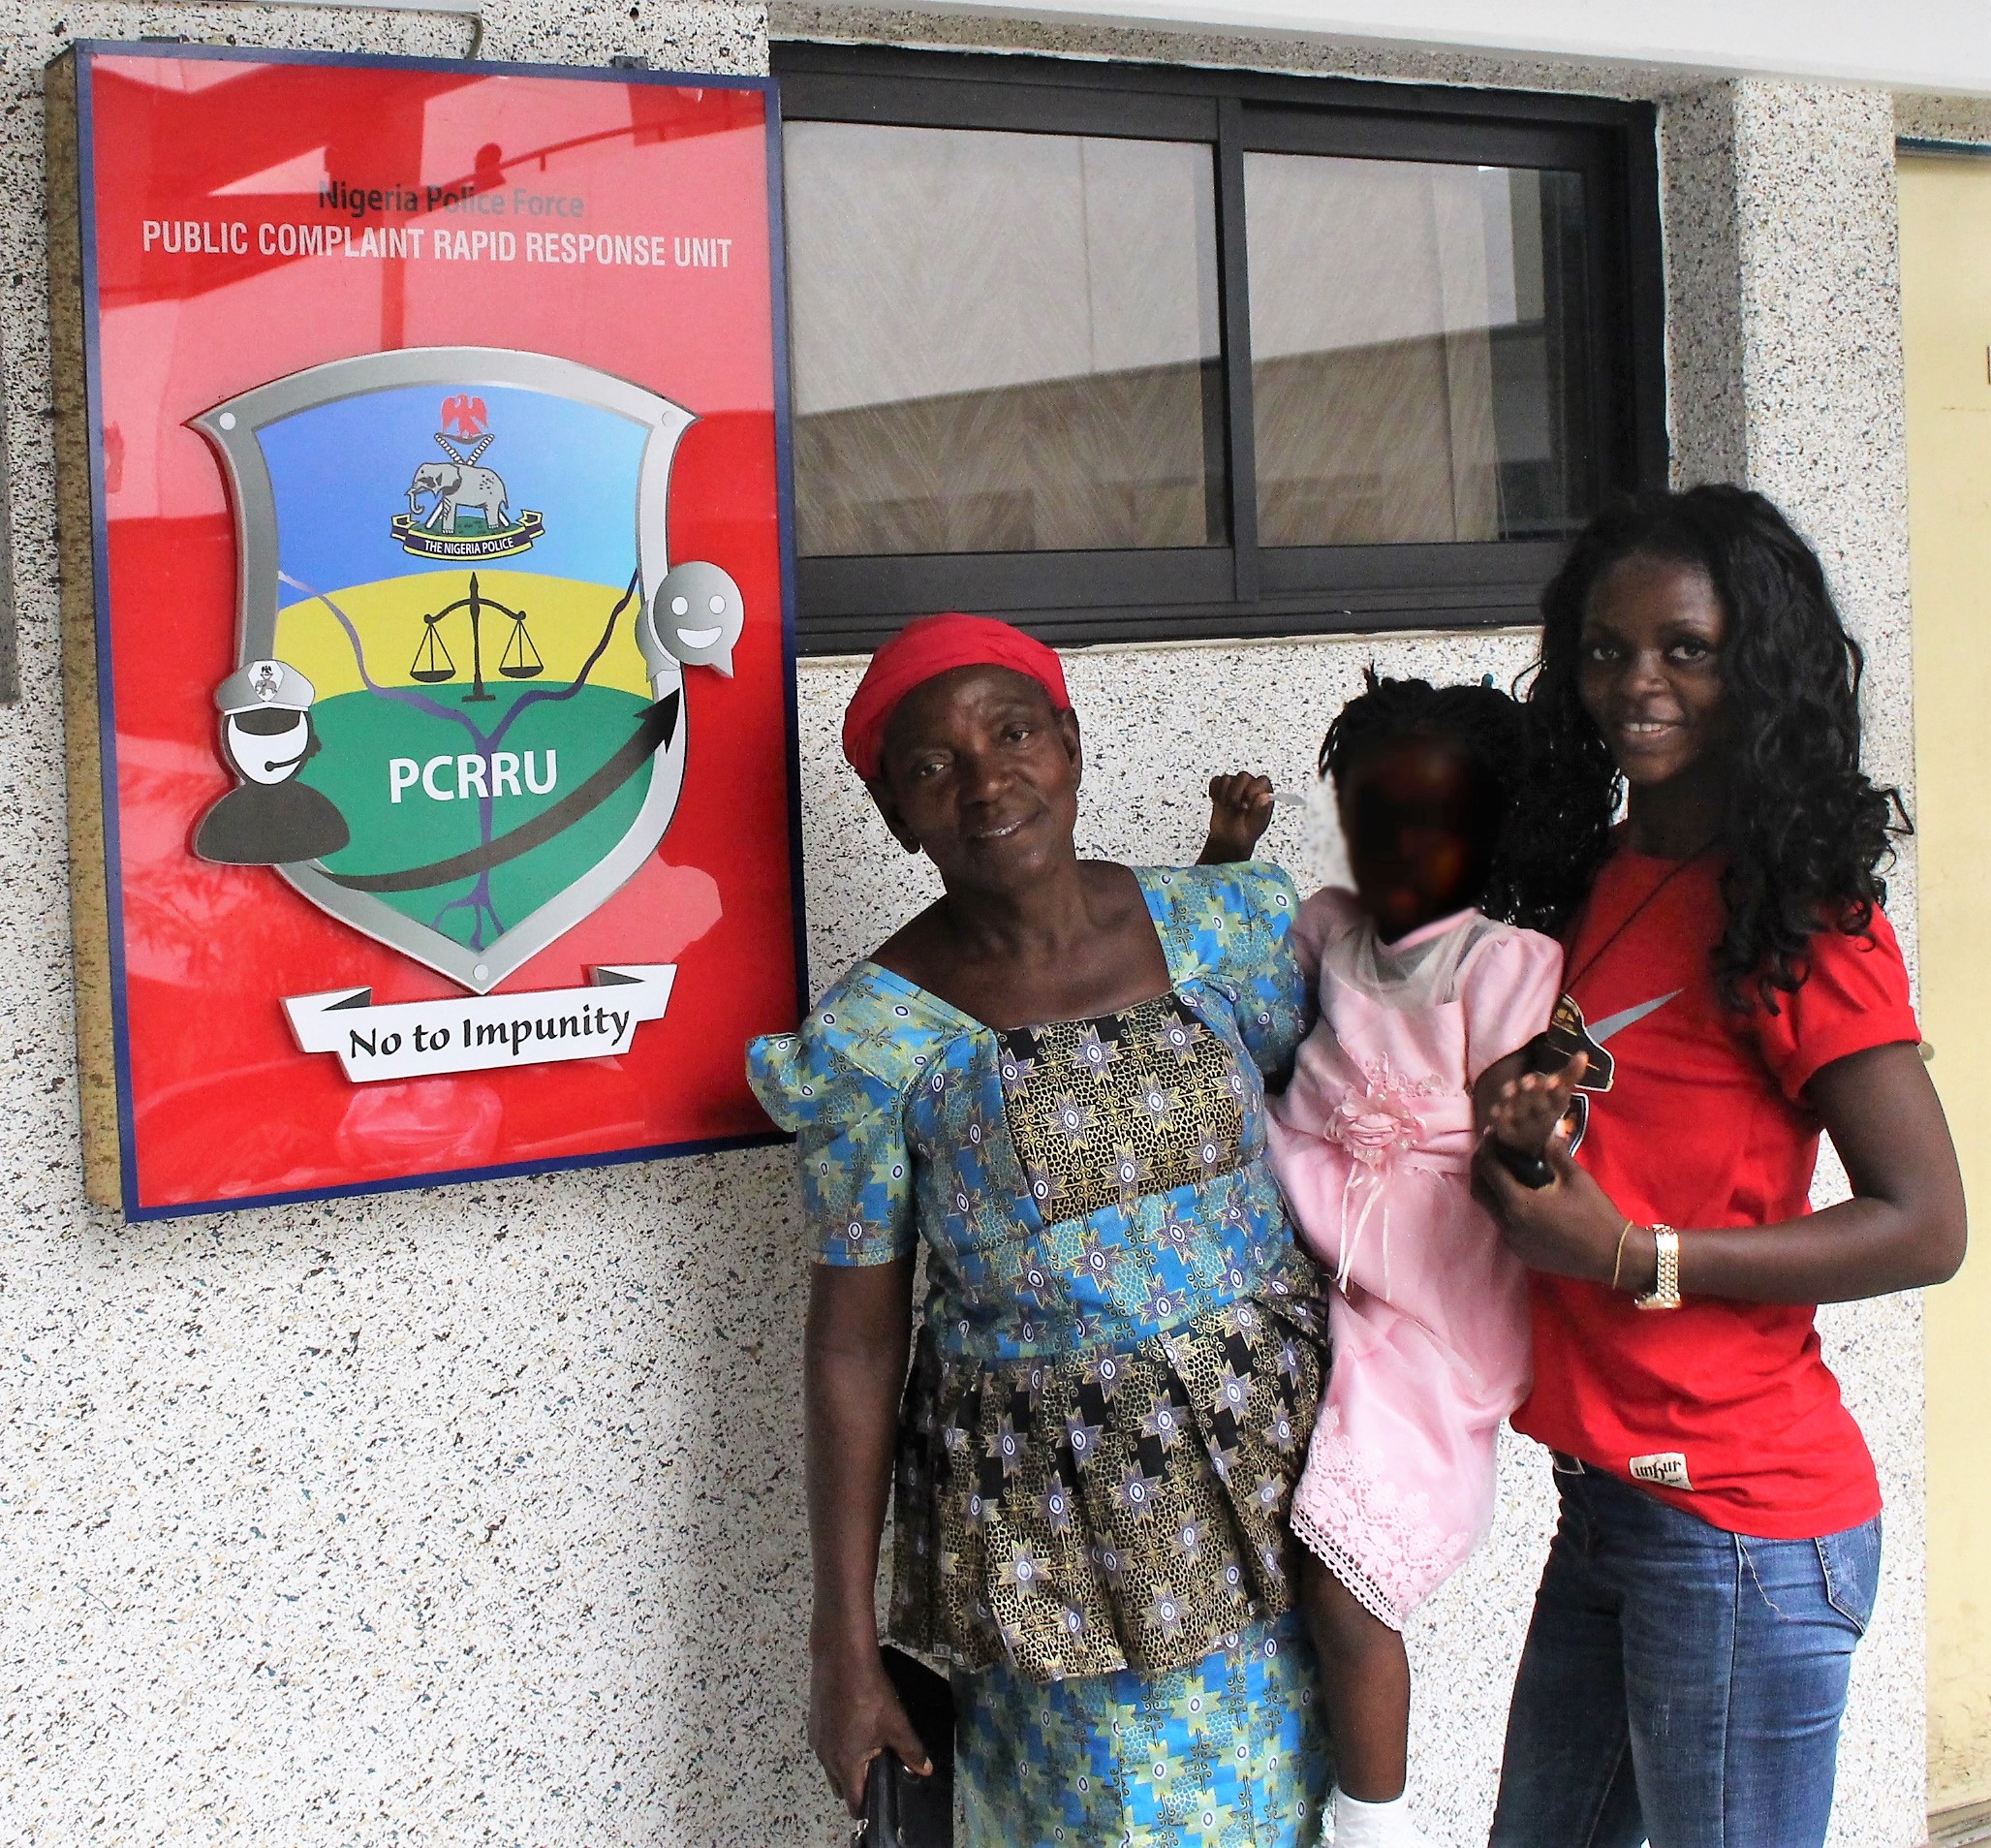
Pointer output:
x,y
1784,309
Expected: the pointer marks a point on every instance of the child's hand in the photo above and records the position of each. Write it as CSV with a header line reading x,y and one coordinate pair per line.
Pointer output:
x,y
1525,1113
1240,812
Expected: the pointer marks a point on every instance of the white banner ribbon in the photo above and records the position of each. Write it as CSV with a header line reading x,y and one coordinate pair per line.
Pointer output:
x,y
480,1032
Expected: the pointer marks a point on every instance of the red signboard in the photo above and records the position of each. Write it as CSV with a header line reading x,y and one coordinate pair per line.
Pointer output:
x,y
435,418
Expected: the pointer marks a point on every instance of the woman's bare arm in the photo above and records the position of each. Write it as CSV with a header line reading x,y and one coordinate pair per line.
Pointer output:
x,y
1901,1230
853,1367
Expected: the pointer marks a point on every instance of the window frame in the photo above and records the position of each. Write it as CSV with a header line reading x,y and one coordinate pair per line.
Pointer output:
x,y
1240,589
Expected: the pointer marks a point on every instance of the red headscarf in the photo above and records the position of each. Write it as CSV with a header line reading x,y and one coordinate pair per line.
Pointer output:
x,y
930,645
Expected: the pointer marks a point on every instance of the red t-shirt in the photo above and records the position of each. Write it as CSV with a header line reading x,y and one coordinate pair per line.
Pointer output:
x,y
1724,1409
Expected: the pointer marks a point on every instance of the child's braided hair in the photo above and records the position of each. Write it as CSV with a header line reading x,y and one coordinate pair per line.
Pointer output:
x,y
1485,726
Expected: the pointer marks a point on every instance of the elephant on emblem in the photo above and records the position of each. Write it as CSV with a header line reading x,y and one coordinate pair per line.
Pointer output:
x,y
458,485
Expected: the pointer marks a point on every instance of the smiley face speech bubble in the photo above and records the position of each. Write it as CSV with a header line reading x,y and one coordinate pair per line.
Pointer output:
x,y
697,615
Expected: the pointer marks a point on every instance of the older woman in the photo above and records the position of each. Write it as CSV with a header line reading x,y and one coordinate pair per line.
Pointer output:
x,y
1052,1078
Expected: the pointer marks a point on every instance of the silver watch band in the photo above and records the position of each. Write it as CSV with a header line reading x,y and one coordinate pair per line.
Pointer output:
x,y
1665,1285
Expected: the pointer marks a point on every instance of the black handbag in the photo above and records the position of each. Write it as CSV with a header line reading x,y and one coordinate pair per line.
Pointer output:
x,y
902,1811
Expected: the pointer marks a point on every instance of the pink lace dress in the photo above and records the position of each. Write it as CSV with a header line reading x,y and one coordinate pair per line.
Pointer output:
x,y
1372,1144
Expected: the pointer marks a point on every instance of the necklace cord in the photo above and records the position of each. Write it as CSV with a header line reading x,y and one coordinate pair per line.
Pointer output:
x,y
1632,916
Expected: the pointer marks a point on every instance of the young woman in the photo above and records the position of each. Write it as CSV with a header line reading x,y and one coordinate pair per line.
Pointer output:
x,y
1732,988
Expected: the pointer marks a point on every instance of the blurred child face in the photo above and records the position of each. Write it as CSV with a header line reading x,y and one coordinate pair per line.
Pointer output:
x,y
1418,840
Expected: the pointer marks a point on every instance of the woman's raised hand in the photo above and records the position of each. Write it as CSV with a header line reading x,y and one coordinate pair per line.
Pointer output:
x,y
1568,1228
854,1714
1240,812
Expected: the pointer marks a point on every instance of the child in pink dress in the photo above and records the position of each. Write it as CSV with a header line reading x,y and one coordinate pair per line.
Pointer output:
x,y
1425,1005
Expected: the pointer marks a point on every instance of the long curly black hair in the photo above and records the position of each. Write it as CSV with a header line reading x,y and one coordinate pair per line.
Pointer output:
x,y
1806,833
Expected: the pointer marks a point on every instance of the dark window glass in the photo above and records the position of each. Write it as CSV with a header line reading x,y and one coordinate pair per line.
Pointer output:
x,y
1002,342
1417,354
1126,353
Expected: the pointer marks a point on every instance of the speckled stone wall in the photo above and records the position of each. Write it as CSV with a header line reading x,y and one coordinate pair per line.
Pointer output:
x,y
474,1516
935,29
1707,412
1944,118
448,1518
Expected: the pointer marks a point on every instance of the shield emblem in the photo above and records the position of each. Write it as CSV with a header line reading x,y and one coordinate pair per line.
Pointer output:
x,y
457,716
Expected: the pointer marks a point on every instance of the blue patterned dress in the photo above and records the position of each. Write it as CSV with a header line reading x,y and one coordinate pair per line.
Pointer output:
x,y
1116,1373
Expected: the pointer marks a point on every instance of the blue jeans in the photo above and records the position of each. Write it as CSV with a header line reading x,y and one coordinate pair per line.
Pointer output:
x,y
1680,1683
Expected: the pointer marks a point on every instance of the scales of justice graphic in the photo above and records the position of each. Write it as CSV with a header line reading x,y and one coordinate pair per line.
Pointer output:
x,y
457,724
432,660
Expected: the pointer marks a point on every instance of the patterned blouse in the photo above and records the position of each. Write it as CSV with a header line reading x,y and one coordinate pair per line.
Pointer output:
x,y
1122,1348
1081,1186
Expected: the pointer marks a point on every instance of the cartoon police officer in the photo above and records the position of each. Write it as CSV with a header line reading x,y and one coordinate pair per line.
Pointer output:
x,y
266,736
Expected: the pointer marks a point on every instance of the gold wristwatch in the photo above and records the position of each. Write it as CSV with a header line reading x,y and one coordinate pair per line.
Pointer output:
x,y
1666,1283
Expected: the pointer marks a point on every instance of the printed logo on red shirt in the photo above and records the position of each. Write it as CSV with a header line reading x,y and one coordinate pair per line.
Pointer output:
x,y
1666,1466
1566,1035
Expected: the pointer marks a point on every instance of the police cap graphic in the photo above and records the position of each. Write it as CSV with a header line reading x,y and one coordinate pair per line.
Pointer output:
x,y
258,686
